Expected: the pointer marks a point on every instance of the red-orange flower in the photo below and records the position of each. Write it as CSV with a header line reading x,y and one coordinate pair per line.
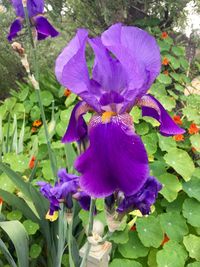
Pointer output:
x,y
165,61
178,137
193,129
164,35
194,149
37,123
133,228
33,129
166,72
67,92
32,162
177,119
165,240
1,201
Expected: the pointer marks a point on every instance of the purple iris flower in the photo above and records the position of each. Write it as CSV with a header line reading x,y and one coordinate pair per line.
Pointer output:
x,y
66,188
35,12
127,61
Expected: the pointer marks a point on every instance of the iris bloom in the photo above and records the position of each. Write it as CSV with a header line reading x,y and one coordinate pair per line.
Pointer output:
x,y
65,188
127,61
35,12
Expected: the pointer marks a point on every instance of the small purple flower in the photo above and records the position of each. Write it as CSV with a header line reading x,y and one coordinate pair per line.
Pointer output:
x,y
66,188
127,61
35,12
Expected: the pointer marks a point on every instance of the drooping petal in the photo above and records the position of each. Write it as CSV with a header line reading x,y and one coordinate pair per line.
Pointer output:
x,y
77,128
44,28
107,71
152,107
115,160
34,7
139,54
15,27
142,200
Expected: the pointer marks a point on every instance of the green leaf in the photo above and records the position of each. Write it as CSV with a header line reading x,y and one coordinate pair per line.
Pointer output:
x,y
31,227
124,263
174,62
191,211
166,143
133,249
47,171
152,258
195,141
149,231
120,237
194,264
7,254
178,51
171,186
35,251
142,128
157,168
168,102
184,63
164,79
174,225
19,163
136,114
181,162
47,98
14,215
172,255
192,244
192,114
192,188
100,204
35,113
150,143
6,184
19,237
164,46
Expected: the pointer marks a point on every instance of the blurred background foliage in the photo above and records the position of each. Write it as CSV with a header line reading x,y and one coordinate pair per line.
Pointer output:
x,y
96,15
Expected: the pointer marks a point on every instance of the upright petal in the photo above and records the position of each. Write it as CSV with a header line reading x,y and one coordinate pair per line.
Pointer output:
x,y
77,128
139,54
15,27
152,107
115,160
34,7
44,28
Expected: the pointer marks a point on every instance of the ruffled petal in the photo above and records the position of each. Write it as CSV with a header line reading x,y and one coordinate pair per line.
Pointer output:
x,y
115,160
144,199
15,27
152,107
77,128
34,7
44,28
107,71
139,54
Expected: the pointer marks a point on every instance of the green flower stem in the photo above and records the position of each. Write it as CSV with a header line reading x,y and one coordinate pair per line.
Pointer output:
x,y
69,230
90,227
38,94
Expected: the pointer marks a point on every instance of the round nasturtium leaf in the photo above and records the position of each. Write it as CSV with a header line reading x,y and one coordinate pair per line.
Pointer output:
x,y
35,251
35,113
192,188
174,225
191,211
195,141
19,162
120,237
150,143
47,98
149,231
124,263
194,264
172,255
166,143
171,186
31,227
6,184
142,128
14,215
168,102
178,51
133,249
164,79
152,258
192,244
181,162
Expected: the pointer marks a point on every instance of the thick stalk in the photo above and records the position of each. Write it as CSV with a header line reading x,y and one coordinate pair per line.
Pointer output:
x,y
38,93
90,227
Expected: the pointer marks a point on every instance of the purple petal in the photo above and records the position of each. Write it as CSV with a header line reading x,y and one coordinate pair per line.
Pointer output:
x,y
65,177
15,27
77,128
139,54
142,200
152,107
84,200
44,28
34,7
107,71
115,160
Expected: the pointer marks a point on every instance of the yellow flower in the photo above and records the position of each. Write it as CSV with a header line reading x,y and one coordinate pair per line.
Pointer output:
x,y
53,217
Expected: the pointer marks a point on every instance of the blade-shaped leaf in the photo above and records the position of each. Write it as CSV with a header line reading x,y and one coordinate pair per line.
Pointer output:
x,y
7,254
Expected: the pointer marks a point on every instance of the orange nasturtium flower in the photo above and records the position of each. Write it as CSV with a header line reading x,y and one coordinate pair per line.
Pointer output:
x,y
133,228
164,35
178,137
33,129
67,92
165,240
32,162
193,129
37,123
177,119
165,61
166,72
1,201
